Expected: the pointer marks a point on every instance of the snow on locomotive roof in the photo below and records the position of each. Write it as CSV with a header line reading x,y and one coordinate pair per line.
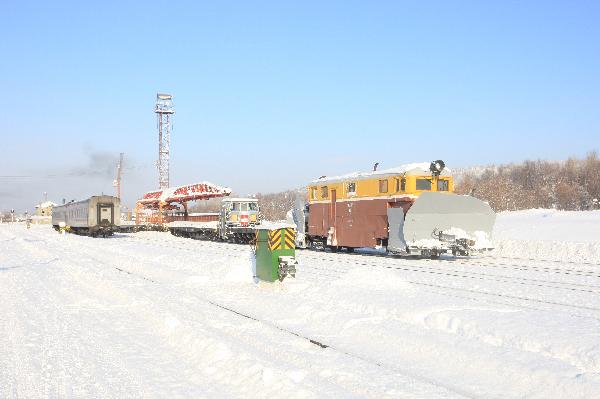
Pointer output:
x,y
421,168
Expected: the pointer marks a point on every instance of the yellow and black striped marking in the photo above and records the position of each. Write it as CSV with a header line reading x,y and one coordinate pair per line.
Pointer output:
x,y
289,239
275,239
282,239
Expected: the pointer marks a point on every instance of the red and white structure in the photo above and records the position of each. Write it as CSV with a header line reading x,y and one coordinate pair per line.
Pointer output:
x,y
153,206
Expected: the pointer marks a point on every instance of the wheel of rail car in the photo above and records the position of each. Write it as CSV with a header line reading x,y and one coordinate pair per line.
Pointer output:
x,y
334,248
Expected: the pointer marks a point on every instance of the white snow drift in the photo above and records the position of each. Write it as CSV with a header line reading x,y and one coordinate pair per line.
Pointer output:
x,y
156,316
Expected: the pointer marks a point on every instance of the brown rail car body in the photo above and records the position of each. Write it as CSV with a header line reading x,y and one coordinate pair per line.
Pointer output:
x,y
352,211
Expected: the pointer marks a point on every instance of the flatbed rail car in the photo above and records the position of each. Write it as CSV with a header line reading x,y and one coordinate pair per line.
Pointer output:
x,y
409,210
96,216
236,222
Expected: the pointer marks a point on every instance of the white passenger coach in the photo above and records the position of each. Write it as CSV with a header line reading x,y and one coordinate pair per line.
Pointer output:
x,y
96,216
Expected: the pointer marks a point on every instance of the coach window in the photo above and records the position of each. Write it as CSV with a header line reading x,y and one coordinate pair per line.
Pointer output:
x,y
313,193
442,185
424,184
351,188
383,186
324,192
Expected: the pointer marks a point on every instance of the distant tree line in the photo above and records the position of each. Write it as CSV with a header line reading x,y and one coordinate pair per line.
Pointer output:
x,y
567,185
275,206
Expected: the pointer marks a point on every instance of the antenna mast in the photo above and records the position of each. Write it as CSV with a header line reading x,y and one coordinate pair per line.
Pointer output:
x,y
164,111
117,182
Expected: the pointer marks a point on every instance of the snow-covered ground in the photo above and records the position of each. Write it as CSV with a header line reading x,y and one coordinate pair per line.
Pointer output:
x,y
156,316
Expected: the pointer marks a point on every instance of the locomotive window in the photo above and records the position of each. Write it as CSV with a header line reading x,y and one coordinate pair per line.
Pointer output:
x,y
400,184
351,188
313,192
442,185
324,192
253,206
424,184
383,186
235,206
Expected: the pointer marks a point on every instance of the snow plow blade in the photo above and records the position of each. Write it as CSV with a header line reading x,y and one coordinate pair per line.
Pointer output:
x,y
441,222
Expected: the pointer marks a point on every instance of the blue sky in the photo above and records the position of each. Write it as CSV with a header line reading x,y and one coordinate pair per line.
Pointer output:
x,y
269,95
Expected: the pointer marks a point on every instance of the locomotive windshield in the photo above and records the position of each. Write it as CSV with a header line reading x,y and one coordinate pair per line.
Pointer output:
x,y
244,206
424,184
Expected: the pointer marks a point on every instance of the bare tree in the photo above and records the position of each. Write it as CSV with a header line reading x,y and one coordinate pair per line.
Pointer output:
x,y
570,185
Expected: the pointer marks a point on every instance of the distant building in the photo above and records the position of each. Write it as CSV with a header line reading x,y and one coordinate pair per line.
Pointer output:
x,y
45,208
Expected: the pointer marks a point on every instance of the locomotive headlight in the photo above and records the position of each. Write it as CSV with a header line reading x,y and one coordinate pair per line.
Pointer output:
x,y
436,167
253,217
233,217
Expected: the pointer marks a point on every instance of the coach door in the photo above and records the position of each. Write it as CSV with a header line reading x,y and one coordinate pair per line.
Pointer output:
x,y
332,210
332,236
105,214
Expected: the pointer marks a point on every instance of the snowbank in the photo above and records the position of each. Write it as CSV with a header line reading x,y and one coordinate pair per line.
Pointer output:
x,y
548,234
548,225
155,315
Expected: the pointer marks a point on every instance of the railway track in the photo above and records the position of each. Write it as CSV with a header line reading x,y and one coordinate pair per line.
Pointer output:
x,y
548,260
535,266
588,288
425,266
437,269
430,268
479,295
479,261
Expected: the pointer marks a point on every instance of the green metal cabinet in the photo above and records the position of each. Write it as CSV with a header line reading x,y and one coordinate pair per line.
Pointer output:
x,y
275,253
